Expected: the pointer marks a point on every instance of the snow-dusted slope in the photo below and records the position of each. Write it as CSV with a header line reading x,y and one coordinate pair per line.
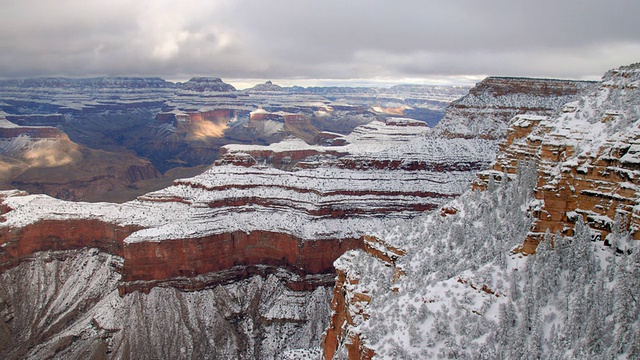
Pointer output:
x,y
461,288
485,112
70,308
204,232
326,200
587,158
286,210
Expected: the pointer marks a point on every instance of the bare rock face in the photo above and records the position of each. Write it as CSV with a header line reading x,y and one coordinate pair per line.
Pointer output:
x,y
350,300
586,158
232,256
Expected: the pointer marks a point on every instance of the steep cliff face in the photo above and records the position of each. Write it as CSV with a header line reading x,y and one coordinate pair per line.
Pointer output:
x,y
63,312
586,158
350,299
467,290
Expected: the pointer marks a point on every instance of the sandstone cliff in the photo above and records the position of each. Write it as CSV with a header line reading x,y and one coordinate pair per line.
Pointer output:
x,y
586,159
467,291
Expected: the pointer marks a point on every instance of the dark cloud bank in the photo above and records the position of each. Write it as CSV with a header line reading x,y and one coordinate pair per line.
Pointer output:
x,y
454,41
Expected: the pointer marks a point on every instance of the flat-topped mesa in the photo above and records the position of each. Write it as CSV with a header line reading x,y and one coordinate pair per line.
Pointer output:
x,y
393,165
587,160
397,143
485,112
202,84
10,130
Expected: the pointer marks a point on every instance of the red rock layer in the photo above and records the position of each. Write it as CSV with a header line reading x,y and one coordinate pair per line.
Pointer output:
x,y
149,263
279,159
52,235
40,132
591,187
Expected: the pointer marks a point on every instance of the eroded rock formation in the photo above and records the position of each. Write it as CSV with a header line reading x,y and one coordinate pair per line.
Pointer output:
x,y
586,158
284,212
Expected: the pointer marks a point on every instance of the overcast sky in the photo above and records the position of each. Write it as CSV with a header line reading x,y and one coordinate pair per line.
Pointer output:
x,y
351,41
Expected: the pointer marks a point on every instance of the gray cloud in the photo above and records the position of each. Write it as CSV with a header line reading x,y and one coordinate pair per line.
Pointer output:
x,y
317,39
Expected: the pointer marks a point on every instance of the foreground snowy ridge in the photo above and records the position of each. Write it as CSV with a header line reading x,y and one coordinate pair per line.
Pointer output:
x,y
467,293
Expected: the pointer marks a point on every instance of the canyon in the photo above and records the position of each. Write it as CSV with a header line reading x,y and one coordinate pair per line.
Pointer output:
x,y
548,232
241,260
152,131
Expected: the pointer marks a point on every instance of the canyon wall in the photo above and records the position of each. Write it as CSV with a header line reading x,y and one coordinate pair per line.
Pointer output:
x,y
584,152
284,212
586,160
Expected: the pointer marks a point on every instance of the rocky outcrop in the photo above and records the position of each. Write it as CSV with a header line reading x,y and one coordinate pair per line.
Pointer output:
x,y
586,160
350,299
